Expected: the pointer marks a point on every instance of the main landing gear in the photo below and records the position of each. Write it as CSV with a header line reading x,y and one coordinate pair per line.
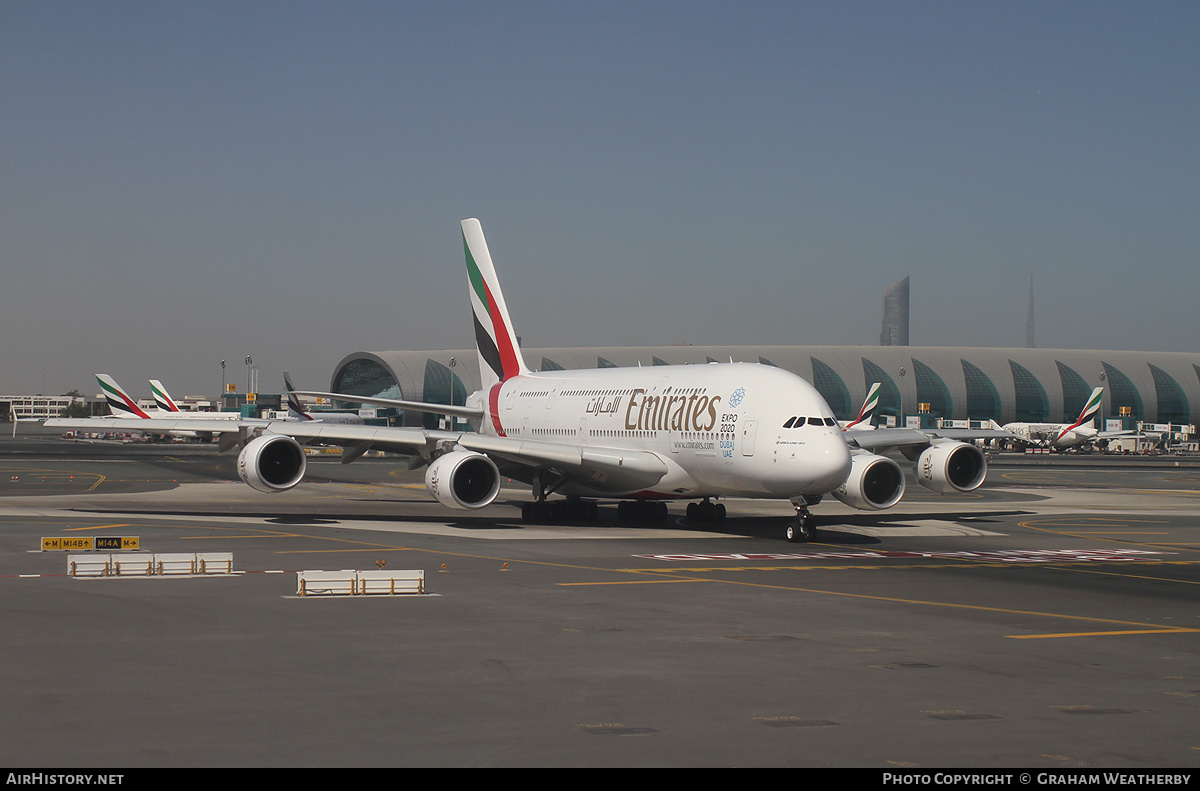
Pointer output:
x,y
575,511
546,512
706,511
642,511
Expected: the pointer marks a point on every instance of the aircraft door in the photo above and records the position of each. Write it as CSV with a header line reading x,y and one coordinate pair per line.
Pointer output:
x,y
749,431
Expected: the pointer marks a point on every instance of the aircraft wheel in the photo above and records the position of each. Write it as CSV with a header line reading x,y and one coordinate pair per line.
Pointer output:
x,y
537,512
800,530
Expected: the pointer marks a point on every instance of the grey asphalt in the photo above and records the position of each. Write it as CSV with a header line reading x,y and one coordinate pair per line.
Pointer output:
x,y
1048,620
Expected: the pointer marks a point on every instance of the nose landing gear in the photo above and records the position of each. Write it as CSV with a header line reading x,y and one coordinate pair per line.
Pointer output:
x,y
802,528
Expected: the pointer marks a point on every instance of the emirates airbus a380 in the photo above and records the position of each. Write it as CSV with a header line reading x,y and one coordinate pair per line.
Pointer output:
x,y
640,435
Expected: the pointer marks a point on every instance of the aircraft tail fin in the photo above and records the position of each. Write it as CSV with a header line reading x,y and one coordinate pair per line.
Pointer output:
x,y
118,400
296,410
499,352
870,404
1088,412
1091,407
162,398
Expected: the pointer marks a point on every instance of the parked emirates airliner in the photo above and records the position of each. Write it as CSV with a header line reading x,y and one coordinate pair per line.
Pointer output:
x,y
644,436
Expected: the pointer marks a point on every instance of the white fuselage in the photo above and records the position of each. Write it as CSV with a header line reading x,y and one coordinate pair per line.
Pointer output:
x,y
1055,435
717,428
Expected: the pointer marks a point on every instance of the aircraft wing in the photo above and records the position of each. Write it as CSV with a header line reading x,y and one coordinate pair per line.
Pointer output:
x,y
615,469
396,440
415,406
154,425
885,438
1123,433
601,468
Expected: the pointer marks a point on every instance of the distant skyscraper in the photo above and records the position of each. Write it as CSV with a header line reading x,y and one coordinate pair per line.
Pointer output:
x,y
1029,344
895,315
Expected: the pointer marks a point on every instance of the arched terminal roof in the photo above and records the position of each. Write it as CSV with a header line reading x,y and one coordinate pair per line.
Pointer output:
x,y
1049,385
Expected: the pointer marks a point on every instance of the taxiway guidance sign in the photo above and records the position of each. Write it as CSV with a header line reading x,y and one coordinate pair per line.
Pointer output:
x,y
51,543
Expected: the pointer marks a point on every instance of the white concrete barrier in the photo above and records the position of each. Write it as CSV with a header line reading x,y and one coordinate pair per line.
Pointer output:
x,y
350,582
88,566
145,564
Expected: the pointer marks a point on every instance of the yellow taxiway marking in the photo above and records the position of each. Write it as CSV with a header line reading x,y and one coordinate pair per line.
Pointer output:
x,y
97,527
1173,630
1065,529
1085,521
61,475
1045,473
328,551
630,582
1138,627
250,535
952,563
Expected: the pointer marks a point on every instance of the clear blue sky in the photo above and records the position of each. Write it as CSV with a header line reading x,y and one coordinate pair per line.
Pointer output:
x,y
186,182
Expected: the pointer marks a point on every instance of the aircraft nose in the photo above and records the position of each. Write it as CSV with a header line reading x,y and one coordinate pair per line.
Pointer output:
x,y
830,463
819,466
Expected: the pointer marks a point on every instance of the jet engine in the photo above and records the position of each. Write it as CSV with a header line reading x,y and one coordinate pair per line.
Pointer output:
x,y
272,463
874,483
463,479
951,467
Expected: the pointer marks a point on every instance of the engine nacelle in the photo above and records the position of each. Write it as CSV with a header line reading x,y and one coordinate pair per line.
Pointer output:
x,y
272,463
463,479
951,467
874,483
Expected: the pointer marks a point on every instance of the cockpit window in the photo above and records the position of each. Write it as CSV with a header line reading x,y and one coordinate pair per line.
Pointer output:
x,y
830,421
789,422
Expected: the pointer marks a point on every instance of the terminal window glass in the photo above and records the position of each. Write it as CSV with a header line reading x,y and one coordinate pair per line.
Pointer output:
x,y
1123,393
889,394
603,363
660,361
1075,392
932,390
442,386
1032,404
832,389
366,378
1172,403
550,365
983,401
765,361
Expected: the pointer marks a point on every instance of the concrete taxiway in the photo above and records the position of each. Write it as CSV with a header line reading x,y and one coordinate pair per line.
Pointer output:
x,y
1048,620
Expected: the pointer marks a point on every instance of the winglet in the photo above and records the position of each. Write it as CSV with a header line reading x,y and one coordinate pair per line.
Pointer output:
x,y
499,353
162,397
118,401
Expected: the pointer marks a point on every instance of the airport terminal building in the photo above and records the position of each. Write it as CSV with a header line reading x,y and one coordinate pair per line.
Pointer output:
x,y
1005,385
